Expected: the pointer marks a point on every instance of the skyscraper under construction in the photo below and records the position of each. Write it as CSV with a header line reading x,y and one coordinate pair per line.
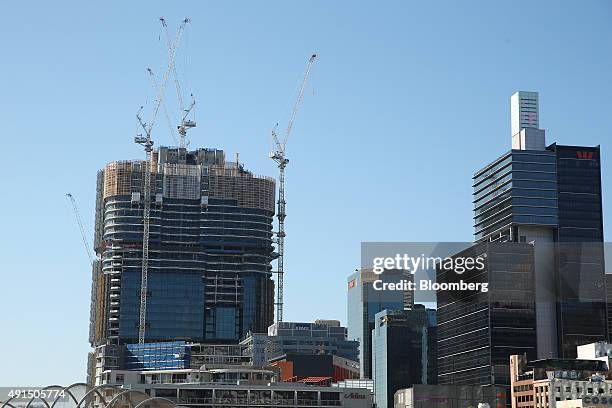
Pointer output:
x,y
209,251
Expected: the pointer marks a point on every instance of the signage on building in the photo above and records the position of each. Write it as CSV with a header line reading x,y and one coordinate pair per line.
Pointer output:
x,y
352,284
302,326
597,400
584,155
354,395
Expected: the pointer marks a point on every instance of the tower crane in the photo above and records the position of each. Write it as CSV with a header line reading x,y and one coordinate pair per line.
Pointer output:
x,y
279,156
185,123
81,228
146,141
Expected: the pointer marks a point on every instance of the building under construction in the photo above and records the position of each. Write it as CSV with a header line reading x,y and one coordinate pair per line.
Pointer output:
x,y
210,250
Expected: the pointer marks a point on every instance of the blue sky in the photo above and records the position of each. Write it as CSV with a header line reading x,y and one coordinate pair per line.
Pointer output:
x,y
406,101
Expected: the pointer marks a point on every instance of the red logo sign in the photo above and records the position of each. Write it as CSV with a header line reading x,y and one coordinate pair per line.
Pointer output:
x,y
352,284
584,155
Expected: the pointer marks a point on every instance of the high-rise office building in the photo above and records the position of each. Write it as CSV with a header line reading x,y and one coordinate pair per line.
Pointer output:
x,y
209,257
608,278
549,196
403,351
478,330
364,301
538,220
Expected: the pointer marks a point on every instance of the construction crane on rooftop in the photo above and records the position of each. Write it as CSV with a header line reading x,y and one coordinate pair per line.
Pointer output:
x,y
77,215
146,141
185,123
279,156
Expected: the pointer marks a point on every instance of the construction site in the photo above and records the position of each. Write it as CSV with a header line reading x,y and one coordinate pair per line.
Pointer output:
x,y
184,242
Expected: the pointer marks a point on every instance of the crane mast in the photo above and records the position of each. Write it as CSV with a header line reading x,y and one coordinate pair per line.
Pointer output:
x,y
281,160
146,141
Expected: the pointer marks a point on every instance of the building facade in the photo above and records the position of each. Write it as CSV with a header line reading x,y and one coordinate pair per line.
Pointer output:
x,y
549,196
596,351
327,367
479,330
323,337
546,383
450,396
234,388
363,304
608,278
209,257
403,351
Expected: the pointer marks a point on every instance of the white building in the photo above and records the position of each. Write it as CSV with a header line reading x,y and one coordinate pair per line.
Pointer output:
x,y
596,351
231,387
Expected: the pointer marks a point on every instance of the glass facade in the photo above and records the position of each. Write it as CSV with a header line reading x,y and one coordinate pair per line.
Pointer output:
x,y
579,192
403,352
581,285
518,188
363,302
478,331
156,356
210,249
553,198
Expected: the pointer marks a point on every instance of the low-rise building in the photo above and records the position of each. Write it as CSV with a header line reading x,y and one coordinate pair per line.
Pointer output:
x,y
295,367
357,383
545,383
596,351
586,402
450,396
323,337
232,387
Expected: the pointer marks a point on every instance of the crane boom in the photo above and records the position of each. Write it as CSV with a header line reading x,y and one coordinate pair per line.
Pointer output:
x,y
185,123
165,109
179,94
81,227
162,88
146,141
281,159
298,100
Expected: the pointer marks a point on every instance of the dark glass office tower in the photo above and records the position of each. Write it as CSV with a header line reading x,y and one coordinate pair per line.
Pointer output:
x,y
363,304
608,278
403,351
549,196
519,188
478,330
210,250
581,294
579,193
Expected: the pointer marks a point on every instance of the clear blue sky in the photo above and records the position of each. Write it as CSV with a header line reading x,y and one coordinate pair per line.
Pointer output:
x,y
408,98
